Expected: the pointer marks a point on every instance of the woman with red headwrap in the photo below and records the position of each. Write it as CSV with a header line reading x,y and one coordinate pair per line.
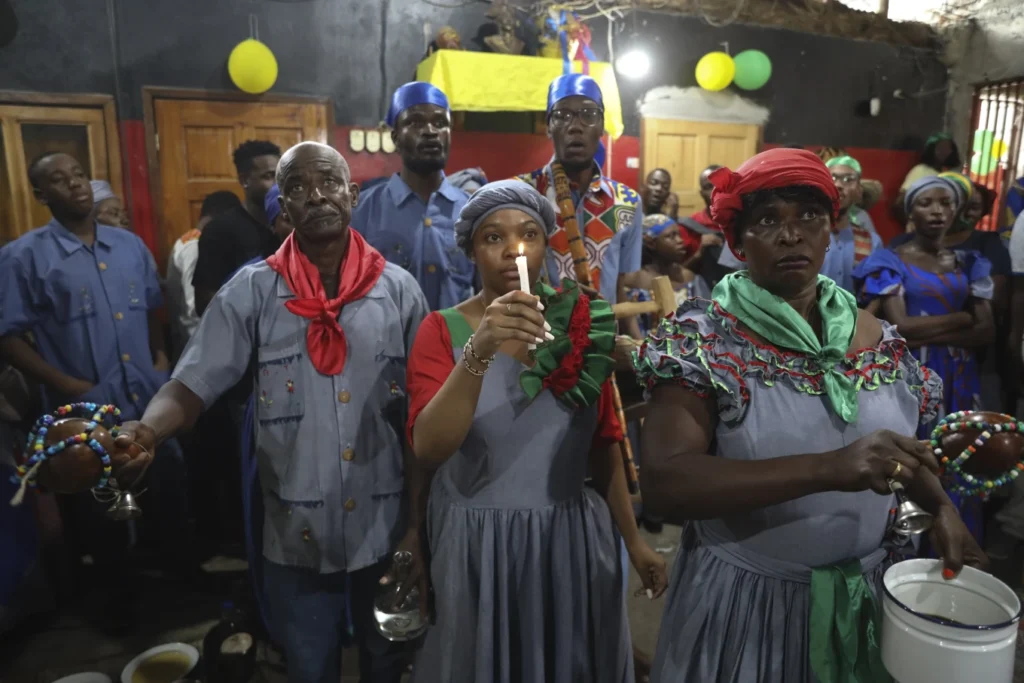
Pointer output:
x,y
777,414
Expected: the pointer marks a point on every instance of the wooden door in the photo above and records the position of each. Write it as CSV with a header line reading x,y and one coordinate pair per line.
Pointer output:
x,y
27,132
685,148
195,142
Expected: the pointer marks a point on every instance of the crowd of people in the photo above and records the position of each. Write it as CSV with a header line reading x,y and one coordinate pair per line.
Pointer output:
x,y
419,368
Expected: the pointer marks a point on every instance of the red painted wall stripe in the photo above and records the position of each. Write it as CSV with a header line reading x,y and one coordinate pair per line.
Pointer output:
x,y
136,178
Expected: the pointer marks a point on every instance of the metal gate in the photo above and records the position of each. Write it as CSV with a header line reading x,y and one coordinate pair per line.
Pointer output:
x,y
994,151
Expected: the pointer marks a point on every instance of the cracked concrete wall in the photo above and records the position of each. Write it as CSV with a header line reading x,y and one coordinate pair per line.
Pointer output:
x,y
988,48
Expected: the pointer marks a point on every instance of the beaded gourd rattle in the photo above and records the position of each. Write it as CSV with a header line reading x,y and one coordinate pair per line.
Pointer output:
x,y
978,451
70,451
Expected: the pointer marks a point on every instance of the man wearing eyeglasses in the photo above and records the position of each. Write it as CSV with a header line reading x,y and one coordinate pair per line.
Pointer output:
x,y
608,213
853,235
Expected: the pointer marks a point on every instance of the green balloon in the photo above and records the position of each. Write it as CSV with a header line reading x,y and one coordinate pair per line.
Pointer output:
x,y
753,69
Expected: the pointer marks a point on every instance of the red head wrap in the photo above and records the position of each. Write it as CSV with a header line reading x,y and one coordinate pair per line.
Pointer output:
x,y
768,170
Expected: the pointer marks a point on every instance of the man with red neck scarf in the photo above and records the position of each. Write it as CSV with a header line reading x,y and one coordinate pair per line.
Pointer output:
x,y
324,326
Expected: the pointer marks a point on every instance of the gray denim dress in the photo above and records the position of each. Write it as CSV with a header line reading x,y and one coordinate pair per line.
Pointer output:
x,y
738,604
524,559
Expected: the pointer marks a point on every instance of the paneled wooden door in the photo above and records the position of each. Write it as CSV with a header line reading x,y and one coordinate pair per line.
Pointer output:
x,y
26,131
196,139
685,148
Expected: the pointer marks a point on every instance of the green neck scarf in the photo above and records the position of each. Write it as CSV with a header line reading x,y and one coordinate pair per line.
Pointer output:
x,y
779,324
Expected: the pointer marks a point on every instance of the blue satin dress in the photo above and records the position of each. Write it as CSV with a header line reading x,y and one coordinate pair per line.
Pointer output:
x,y
926,293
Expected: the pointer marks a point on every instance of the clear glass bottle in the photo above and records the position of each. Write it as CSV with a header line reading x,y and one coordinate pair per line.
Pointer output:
x,y
399,622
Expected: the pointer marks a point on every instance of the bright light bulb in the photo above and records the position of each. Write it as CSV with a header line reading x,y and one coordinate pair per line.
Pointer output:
x,y
634,64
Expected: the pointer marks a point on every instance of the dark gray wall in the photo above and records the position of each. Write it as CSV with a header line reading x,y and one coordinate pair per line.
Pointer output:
x,y
357,51
817,81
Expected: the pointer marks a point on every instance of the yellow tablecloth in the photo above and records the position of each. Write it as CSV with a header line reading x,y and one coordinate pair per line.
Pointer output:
x,y
485,81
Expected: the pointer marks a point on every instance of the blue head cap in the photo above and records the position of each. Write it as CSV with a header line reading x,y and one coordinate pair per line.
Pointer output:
x,y
271,205
411,94
568,85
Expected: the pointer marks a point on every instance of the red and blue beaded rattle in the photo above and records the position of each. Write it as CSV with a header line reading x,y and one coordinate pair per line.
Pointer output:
x,y
77,432
989,448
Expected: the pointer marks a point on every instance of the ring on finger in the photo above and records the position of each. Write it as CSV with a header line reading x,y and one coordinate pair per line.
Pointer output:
x,y
896,472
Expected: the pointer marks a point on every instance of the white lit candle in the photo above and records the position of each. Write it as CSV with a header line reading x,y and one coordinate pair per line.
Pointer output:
x,y
524,280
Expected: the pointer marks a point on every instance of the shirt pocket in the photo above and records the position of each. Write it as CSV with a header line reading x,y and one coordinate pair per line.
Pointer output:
x,y
72,299
389,395
135,293
279,393
395,247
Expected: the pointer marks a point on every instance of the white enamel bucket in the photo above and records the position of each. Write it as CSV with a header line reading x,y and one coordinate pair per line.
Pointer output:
x,y
919,642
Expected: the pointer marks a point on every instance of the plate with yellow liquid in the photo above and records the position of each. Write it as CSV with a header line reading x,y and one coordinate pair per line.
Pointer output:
x,y
161,664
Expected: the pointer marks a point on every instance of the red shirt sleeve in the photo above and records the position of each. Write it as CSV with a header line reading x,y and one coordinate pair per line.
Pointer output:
x,y
430,363
609,430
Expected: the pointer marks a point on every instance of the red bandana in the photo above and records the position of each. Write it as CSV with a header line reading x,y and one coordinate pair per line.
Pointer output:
x,y
359,272
768,170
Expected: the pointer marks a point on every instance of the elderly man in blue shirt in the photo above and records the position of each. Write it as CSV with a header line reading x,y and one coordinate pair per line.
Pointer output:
x,y
324,326
411,218
853,233
88,293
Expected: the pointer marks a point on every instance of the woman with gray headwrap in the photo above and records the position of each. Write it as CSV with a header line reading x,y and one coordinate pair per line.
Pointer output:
x,y
940,300
528,586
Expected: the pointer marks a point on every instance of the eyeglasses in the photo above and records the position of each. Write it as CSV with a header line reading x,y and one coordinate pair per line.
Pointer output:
x,y
846,178
588,116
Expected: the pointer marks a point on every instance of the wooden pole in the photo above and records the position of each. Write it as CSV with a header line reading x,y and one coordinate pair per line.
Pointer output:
x,y
581,267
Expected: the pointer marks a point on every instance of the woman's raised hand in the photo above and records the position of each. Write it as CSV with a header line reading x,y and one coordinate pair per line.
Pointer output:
x,y
512,316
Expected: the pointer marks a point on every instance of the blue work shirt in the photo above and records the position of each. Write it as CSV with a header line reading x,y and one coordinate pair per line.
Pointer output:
x,y
329,448
840,259
419,237
87,309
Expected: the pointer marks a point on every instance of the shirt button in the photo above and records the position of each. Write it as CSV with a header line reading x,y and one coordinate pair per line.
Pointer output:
x,y
135,397
344,396
119,316
103,266
350,505
348,455
125,357
427,222
431,268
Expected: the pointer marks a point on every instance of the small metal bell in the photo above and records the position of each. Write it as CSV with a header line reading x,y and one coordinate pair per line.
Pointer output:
x,y
911,520
124,507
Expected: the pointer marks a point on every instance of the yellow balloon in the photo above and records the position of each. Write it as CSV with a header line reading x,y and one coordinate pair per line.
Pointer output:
x,y
715,71
252,67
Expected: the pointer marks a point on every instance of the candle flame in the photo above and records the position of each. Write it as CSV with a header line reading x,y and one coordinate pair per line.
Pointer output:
x,y
521,247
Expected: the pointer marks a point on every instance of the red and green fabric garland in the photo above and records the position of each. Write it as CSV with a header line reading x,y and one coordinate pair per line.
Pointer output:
x,y
576,364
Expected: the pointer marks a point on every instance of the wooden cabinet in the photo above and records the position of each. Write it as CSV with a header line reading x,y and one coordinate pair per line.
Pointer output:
x,y
31,124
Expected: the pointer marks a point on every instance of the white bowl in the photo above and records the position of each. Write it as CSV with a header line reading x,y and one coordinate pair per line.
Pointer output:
x,y
959,631
188,650
89,677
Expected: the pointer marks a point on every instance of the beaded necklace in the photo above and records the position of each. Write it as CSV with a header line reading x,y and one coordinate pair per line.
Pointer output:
x,y
37,452
965,483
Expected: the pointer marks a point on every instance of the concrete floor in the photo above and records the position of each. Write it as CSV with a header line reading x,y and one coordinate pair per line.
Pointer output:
x,y
70,642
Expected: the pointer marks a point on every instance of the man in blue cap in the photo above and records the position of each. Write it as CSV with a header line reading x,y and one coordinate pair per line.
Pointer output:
x,y
411,218
608,213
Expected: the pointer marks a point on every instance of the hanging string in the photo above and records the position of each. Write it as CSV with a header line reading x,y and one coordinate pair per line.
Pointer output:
x,y
254,27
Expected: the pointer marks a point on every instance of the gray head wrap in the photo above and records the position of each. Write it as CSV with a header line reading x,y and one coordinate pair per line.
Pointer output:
x,y
928,183
101,191
503,194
